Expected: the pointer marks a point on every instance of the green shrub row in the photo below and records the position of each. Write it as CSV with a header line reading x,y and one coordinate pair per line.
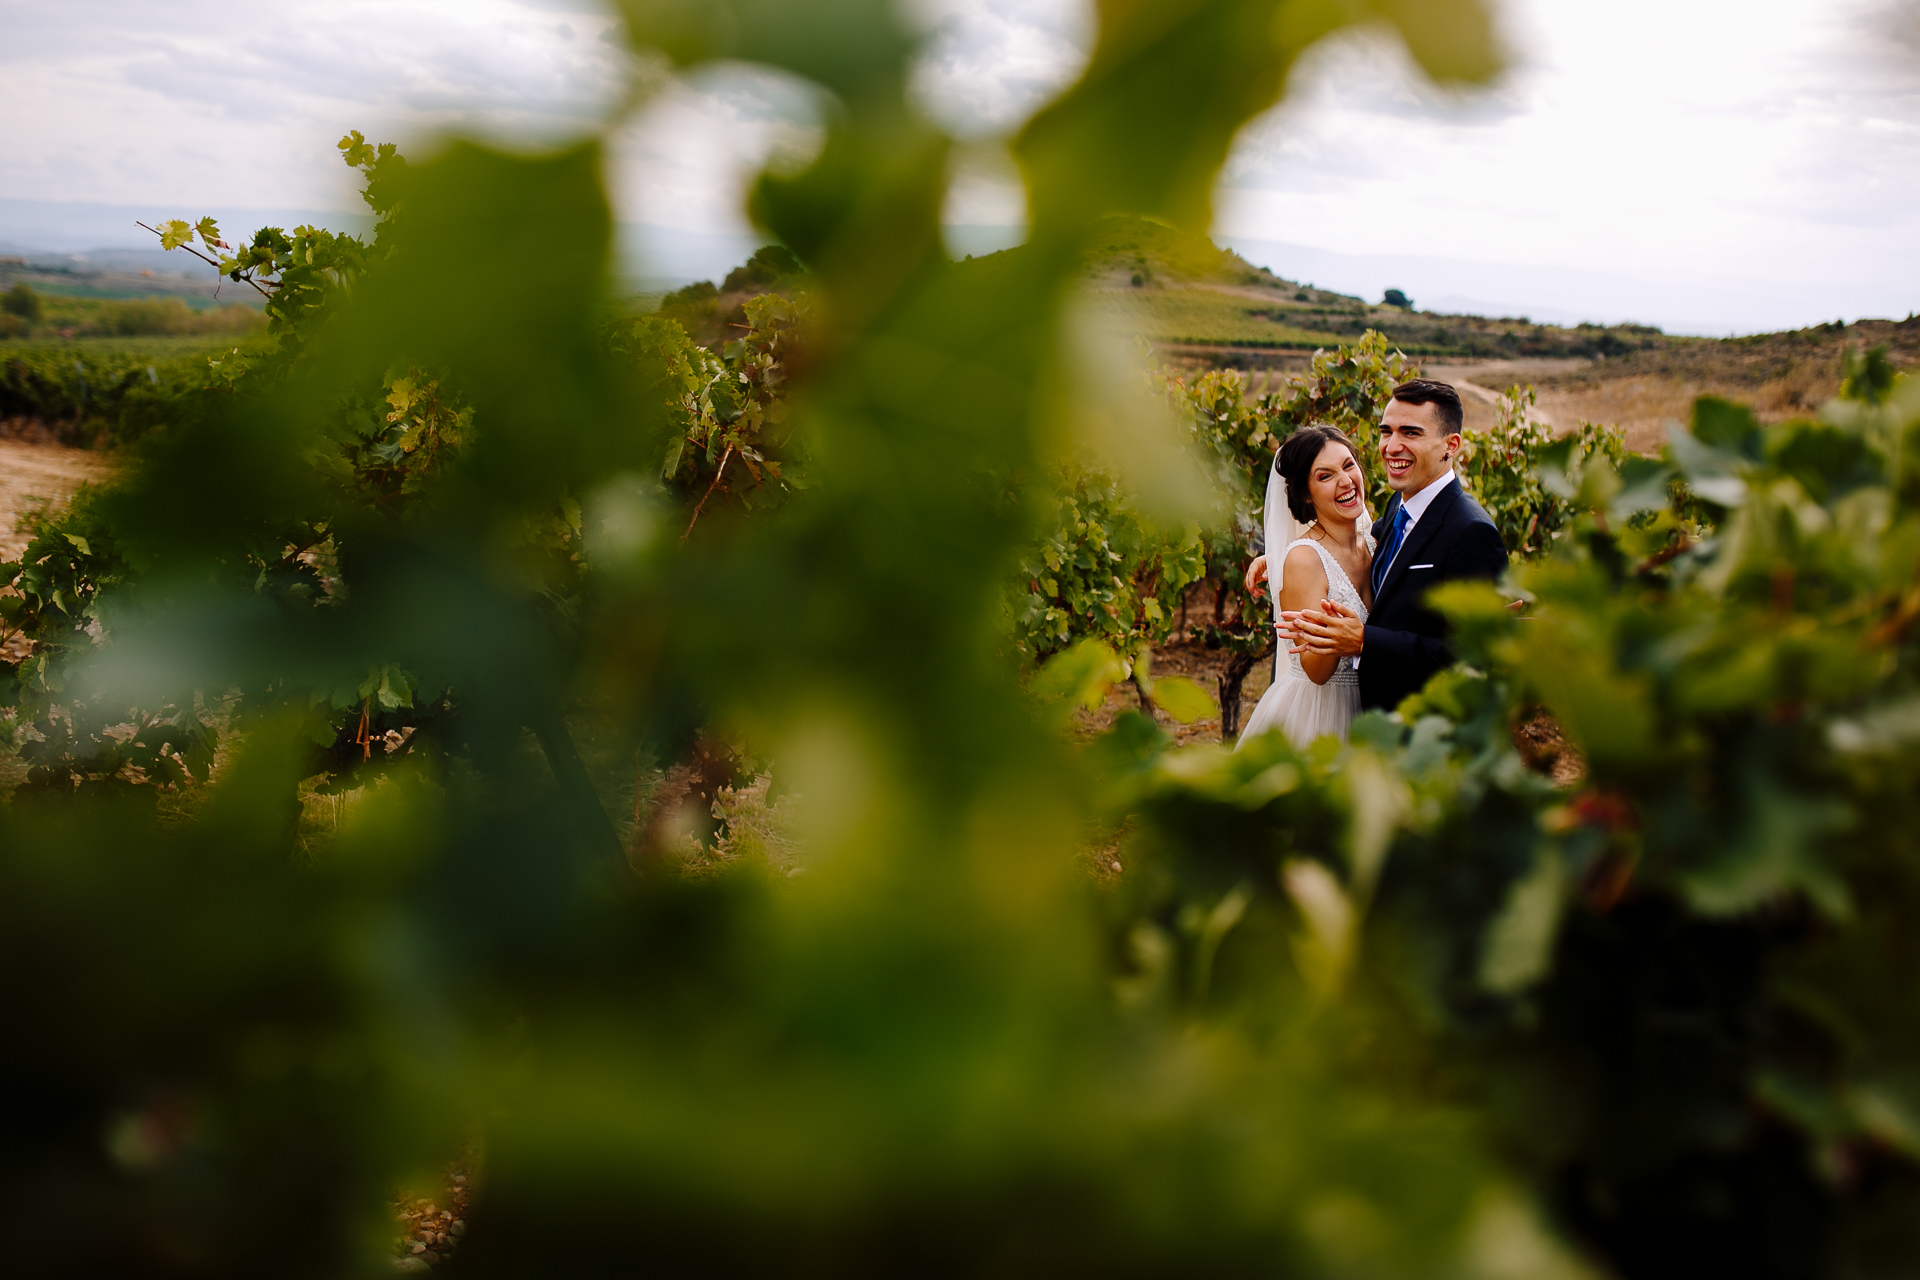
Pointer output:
x,y
105,391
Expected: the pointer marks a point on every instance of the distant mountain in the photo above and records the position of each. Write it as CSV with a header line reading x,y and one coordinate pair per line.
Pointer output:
x,y
45,226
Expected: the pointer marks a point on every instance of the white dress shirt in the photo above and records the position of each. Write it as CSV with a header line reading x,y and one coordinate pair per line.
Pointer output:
x,y
1416,506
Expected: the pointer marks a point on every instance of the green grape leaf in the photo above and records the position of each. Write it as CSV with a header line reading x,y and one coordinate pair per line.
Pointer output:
x,y
1183,699
1081,675
356,149
1518,947
1644,487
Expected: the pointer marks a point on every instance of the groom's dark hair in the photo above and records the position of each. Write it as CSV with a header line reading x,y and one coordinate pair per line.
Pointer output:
x,y
1297,455
1427,391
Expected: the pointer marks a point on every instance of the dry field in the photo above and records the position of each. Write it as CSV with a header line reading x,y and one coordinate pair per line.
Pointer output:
x,y
1781,375
38,474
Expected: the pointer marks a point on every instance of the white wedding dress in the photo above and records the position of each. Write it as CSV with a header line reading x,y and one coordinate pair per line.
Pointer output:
x,y
1294,704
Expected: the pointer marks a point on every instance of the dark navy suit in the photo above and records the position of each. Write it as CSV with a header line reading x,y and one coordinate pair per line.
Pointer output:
x,y
1454,539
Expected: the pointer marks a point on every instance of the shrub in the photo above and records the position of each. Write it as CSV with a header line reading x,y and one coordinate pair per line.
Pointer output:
x,y
22,301
172,317
769,265
106,391
1519,471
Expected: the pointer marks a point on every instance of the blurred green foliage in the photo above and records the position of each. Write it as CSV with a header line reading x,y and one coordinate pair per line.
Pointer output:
x,y
1394,1007
23,302
1720,1010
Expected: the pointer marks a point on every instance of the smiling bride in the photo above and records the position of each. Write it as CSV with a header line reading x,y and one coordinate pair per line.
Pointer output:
x,y
1316,512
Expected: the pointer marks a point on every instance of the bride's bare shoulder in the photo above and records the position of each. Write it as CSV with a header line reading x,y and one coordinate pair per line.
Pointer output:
x,y
1303,565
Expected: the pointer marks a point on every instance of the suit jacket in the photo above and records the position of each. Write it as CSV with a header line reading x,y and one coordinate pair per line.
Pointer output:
x,y
1406,642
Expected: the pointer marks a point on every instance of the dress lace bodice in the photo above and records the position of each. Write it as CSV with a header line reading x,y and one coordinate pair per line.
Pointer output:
x,y
1341,591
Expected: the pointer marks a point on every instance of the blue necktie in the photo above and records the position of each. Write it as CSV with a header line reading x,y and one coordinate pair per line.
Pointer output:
x,y
1396,533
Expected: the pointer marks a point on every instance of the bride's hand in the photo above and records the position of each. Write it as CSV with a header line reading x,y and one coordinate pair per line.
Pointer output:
x,y
1329,629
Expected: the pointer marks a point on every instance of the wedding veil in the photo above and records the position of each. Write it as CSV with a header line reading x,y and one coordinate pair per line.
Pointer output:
x,y
1281,530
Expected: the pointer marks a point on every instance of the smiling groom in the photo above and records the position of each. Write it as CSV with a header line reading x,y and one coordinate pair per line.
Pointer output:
x,y
1431,532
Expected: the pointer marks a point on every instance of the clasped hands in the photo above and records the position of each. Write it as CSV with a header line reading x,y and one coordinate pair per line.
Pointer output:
x,y
1331,630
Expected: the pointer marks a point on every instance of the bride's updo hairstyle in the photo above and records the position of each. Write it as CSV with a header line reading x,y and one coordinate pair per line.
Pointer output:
x,y
1297,456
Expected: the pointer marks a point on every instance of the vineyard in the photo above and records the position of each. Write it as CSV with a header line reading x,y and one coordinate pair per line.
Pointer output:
x,y
339,849
109,391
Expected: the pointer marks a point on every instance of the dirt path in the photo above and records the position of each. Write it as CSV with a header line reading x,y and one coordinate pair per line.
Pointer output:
x,y
36,476
1481,382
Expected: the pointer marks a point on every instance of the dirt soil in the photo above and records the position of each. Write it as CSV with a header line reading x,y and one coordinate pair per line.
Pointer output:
x,y
1482,382
36,474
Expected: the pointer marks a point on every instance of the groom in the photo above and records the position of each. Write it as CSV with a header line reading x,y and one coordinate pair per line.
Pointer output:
x,y
1431,532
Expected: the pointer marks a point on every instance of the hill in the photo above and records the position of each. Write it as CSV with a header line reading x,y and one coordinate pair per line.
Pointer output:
x,y
1206,307
1781,375
1201,304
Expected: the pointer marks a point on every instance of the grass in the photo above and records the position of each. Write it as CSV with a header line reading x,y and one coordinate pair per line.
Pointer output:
x,y
1198,314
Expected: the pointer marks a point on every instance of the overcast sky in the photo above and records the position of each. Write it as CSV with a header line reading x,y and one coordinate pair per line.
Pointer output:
x,y
1704,165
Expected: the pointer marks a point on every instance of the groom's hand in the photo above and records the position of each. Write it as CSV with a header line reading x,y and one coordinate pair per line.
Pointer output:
x,y
1329,630
1256,574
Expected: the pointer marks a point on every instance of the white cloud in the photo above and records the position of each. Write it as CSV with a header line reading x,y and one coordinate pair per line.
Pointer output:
x,y
686,158
1767,154
196,103
1732,166
989,64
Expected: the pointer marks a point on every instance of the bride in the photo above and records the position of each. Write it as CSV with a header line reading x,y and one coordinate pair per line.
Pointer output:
x,y
1317,517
